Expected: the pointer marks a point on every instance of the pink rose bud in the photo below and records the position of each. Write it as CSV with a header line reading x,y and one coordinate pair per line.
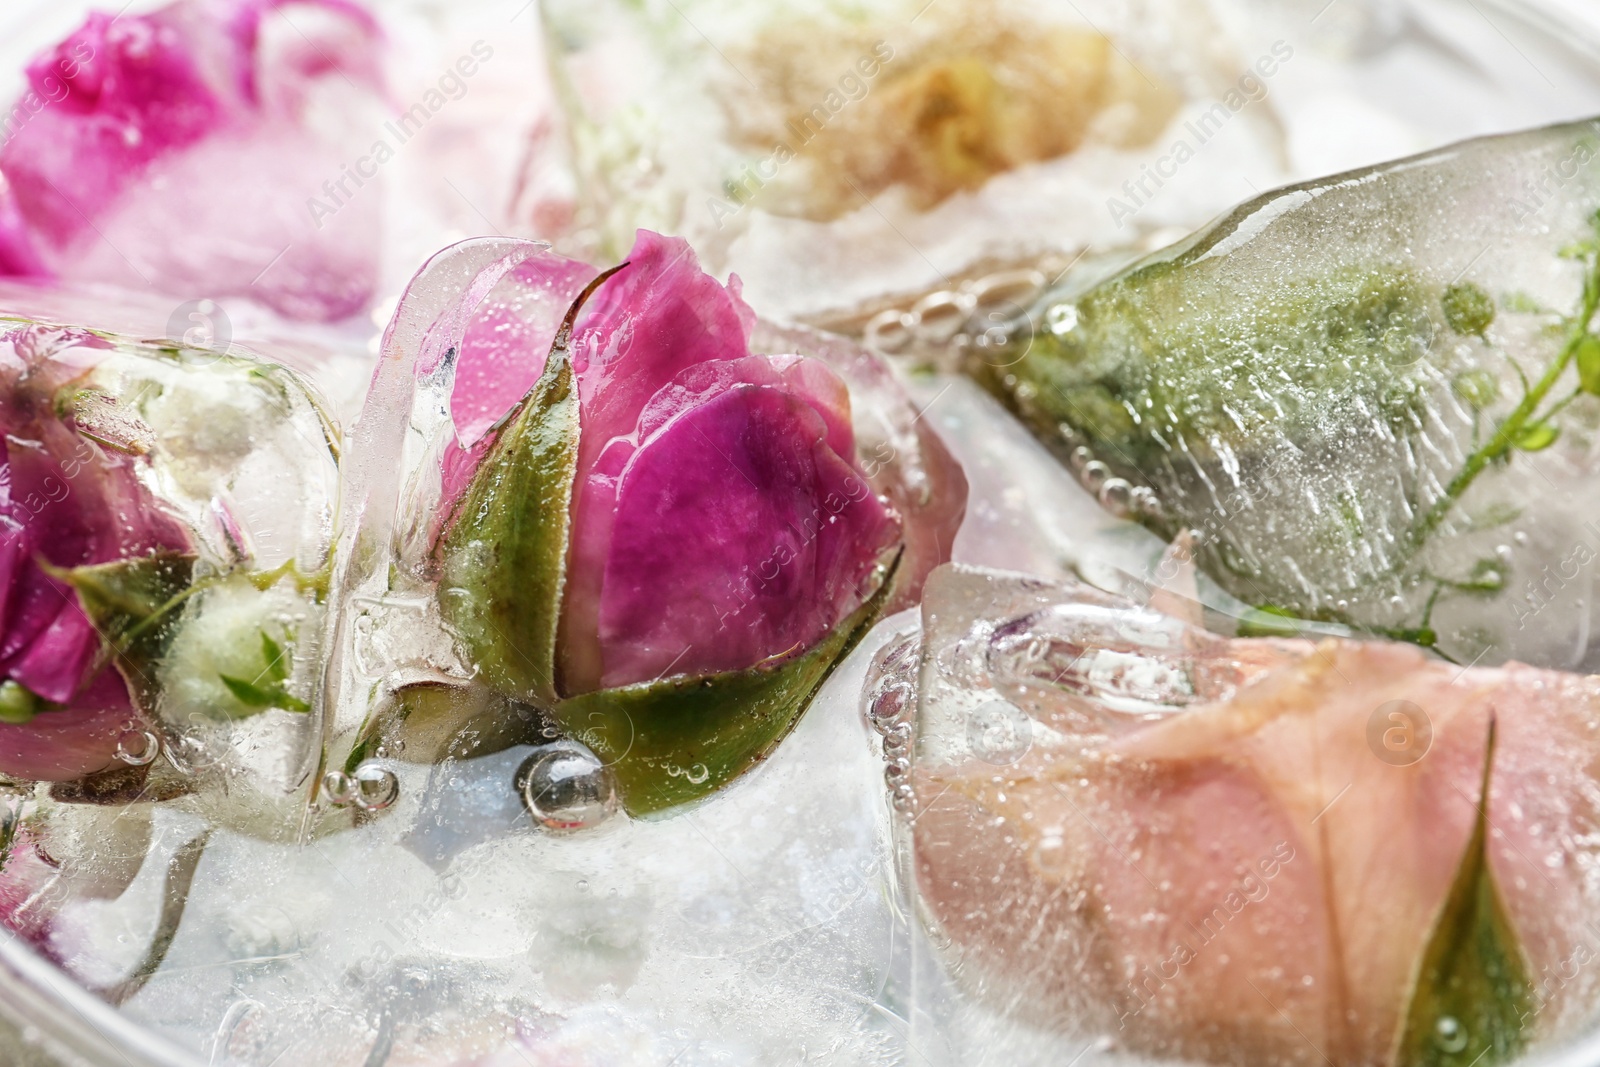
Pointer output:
x,y
663,537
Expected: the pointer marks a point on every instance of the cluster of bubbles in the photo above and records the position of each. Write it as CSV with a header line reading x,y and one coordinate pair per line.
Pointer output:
x,y
889,705
370,787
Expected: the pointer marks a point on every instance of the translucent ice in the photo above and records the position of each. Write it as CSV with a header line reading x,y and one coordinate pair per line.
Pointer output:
x,y
1372,397
1131,833
843,151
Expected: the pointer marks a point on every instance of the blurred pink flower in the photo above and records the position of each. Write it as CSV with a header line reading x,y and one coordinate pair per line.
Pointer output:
x,y
174,149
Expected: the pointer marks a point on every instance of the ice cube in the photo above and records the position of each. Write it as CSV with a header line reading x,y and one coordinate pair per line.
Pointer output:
x,y
833,154
1131,834
1370,396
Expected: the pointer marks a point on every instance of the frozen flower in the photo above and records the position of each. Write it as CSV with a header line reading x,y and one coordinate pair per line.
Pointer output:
x,y
667,539
65,502
1256,850
174,149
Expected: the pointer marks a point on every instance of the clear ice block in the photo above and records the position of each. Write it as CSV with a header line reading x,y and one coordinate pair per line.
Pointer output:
x,y
1371,397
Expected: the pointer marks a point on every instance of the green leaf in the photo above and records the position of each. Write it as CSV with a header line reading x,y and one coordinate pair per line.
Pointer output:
x,y
256,696
1478,388
1486,576
1493,515
1269,620
132,602
248,693
1472,990
1537,436
680,739
1521,303
277,662
1588,360
505,554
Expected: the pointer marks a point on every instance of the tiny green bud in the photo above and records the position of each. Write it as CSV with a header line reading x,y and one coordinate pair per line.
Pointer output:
x,y
1537,436
1467,308
1478,388
18,704
1487,576
1588,360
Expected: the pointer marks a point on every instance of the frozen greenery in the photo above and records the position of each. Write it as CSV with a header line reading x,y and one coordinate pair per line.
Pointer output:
x,y
1372,396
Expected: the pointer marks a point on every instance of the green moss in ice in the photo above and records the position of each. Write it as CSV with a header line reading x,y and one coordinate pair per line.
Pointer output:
x,y
1467,308
1148,369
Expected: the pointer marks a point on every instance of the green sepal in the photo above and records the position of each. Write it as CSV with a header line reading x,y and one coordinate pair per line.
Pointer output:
x,y
505,554
677,740
132,603
260,698
1472,991
1587,357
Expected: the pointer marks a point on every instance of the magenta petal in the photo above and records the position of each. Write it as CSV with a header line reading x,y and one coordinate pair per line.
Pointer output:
x,y
504,348
14,552
739,536
659,316
53,664
36,600
58,746
18,258
808,379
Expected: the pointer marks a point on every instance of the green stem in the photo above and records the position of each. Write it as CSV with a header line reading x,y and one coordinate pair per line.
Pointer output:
x,y
1509,430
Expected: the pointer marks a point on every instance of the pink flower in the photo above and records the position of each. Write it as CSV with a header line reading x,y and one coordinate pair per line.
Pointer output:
x,y
64,502
169,149
720,518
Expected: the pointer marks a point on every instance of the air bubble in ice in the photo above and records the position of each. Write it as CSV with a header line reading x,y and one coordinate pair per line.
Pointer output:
x,y
999,732
565,787
1449,1034
138,747
339,788
1116,496
891,705
374,787
1133,663
1061,319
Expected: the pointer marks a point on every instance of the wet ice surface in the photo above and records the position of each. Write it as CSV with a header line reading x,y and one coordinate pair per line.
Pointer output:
x,y
753,928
